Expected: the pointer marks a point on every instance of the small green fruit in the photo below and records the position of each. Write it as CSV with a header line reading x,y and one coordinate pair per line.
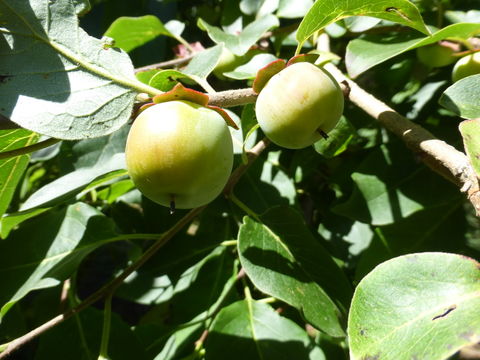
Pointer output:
x,y
179,151
299,105
436,55
466,66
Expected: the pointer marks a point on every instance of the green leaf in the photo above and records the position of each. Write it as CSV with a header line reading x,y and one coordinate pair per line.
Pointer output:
x,y
284,260
10,221
165,80
293,9
11,169
132,32
62,239
80,339
325,12
338,139
258,8
462,97
251,330
418,306
203,63
390,186
470,16
204,280
249,70
94,160
470,130
177,343
240,43
360,23
363,54
76,87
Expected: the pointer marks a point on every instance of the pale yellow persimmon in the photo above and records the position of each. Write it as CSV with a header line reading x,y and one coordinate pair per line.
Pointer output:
x,y
299,105
180,152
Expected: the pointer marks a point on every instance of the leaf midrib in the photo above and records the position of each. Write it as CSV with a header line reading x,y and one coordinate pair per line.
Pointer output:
x,y
129,83
421,316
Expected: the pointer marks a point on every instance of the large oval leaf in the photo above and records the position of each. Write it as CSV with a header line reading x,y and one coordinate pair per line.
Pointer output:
x,y
284,260
419,306
57,80
462,97
371,50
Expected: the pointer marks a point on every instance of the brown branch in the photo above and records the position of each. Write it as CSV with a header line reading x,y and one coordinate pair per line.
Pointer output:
x,y
110,287
437,154
232,98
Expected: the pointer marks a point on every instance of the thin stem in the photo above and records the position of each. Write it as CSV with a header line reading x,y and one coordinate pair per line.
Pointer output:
x,y
229,243
244,207
249,133
204,84
184,42
29,149
299,48
268,300
107,317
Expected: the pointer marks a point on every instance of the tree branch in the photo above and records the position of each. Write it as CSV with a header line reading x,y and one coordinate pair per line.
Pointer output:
x,y
437,154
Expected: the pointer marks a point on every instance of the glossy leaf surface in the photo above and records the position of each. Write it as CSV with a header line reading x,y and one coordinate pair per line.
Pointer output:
x,y
427,296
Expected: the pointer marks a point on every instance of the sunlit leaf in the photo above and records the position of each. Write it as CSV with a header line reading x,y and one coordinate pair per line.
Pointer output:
x,y
368,51
325,12
284,260
462,97
77,87
11,169
420,306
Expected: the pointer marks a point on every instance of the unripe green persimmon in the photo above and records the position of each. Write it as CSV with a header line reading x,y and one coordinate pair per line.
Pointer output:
x,y
466,66
436,55
179,151
298,104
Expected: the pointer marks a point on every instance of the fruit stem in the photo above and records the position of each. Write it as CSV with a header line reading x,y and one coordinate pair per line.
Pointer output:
x,y
172,204
323,133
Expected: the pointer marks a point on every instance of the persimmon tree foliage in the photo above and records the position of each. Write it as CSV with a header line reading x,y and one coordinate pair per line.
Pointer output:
x,y
361,245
